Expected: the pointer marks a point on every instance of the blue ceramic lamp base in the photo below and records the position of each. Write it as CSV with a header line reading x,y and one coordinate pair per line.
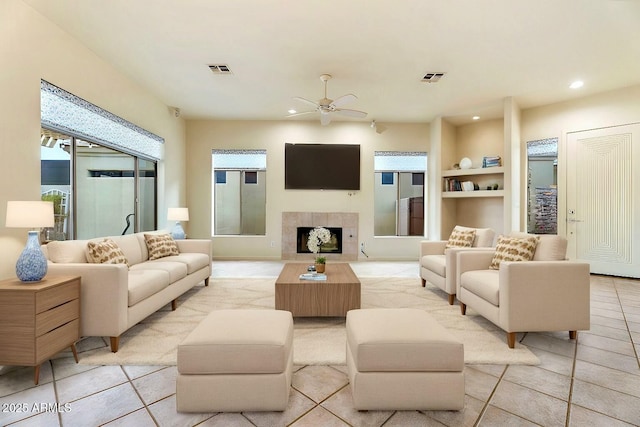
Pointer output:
x,y
31,265
178,232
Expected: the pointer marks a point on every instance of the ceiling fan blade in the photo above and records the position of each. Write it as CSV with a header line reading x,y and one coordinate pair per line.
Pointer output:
x,y
325,119
306,101
352,113
344,100
301,113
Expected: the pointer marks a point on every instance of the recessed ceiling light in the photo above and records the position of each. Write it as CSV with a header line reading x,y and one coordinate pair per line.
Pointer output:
x,y
291,111
476,117
577,84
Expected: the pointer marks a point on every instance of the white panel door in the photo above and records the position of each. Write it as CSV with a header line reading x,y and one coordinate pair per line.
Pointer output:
x,y
603,199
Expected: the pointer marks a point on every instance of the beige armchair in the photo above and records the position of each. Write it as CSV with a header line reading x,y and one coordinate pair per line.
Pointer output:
x,y
438,263
547,293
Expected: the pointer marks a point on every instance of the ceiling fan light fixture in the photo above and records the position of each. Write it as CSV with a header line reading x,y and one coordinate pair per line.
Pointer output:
x,y
327,106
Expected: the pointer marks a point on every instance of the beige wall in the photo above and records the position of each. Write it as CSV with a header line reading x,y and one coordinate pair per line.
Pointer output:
x,y
203,136
31,48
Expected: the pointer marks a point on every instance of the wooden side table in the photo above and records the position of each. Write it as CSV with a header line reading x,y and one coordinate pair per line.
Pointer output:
x,y
38,320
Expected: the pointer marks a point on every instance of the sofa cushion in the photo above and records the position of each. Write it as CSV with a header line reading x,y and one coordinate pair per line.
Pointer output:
x,y
513,249
176,270
67,251
193,261
160,245
435,263
105,252
130,247
483,283
461,237
145,283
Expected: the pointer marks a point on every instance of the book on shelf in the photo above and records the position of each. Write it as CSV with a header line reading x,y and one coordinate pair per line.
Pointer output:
x,y
491,161
313,276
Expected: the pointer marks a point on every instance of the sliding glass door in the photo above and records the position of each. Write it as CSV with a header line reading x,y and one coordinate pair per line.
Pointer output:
x,y
97,191
105,191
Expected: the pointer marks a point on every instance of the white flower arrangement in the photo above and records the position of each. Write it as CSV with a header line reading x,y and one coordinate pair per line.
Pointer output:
x,y
317,237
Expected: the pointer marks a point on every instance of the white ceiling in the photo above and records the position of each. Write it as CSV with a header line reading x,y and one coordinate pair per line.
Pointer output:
x,y
376,49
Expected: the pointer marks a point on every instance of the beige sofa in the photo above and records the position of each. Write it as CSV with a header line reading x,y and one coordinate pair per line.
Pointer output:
x,y
438,263
548,293
114,297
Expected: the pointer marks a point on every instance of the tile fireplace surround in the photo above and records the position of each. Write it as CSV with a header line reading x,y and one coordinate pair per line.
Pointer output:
x,y
346,220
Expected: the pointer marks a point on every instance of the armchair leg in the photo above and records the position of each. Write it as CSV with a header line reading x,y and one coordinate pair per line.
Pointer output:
x,y
463,308
511,339
452,299
174,304
573,335
115,342
424,283
206,282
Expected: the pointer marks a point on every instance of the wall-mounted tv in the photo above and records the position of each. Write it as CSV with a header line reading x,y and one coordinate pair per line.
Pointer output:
x,y
321,166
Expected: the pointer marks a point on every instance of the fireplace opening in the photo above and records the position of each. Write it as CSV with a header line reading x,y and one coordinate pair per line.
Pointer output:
x,y
333,246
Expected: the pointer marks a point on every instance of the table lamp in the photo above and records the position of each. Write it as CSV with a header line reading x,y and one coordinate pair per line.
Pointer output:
x,y
31,265
177,215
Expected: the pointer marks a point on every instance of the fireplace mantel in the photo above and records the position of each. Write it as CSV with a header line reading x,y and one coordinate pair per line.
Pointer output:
x,y
348,221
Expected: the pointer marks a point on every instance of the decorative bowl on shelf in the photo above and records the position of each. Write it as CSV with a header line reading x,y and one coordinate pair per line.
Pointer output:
x,y
465,163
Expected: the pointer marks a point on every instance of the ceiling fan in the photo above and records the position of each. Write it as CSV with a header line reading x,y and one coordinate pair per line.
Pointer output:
x,y
327,106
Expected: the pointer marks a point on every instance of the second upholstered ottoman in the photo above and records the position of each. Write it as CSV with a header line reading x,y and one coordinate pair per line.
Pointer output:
x,y
236,360
403,359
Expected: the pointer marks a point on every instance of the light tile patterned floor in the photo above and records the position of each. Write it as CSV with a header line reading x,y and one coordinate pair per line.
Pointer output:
x,y
593,381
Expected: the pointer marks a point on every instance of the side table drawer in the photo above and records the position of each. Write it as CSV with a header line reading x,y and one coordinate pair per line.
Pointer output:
x,y
53,342
51,319
49,298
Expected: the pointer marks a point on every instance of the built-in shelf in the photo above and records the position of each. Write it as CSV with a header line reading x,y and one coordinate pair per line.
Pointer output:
x,y
477,171
468,194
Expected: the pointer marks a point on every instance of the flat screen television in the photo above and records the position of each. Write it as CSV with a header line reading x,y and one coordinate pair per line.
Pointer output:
x,y
321,166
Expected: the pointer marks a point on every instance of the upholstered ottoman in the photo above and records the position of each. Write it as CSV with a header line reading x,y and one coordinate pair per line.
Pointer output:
x,y
403,359
236,360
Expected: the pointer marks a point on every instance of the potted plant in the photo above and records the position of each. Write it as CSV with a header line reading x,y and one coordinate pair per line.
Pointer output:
x,y
317,237
320,264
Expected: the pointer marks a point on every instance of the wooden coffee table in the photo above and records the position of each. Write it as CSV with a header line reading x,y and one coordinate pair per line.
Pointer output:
x,y
310,298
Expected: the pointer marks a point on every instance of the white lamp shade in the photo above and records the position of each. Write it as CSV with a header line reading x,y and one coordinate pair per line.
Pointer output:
x,y
178,214
29,214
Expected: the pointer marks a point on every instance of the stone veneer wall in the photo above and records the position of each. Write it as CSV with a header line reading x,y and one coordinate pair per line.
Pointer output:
x,y
346,220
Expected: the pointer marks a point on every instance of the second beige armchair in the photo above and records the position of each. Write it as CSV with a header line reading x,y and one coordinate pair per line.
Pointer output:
x,y
547,293
438,262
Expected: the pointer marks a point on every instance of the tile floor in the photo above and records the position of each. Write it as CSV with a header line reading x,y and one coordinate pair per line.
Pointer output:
x,y
592,382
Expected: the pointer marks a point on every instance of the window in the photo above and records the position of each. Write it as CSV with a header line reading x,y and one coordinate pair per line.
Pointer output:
x,y
399,193
239,192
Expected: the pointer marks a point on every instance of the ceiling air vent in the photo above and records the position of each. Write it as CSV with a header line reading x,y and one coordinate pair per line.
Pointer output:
x,y
432,77
220,69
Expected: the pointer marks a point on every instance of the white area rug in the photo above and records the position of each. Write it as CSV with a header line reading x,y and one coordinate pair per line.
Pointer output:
x,y
317,341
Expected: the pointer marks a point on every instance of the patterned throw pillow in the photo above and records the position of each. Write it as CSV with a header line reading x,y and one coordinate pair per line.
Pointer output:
x,y
161,245
105,252
513,249
461,238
